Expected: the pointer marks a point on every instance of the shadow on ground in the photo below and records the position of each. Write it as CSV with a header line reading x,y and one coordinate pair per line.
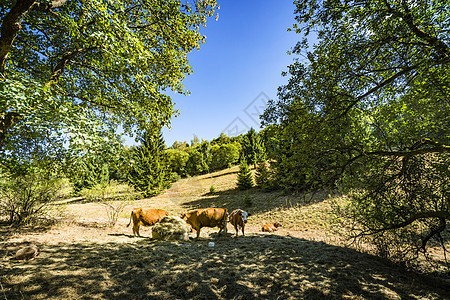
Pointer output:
x,y
257,200
255,266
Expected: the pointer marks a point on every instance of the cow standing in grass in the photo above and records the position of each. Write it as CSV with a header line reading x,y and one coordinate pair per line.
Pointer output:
x,y
207,217
146,217
238,218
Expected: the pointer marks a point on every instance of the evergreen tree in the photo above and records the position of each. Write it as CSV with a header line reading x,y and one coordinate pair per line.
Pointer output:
x,y
90,173
252,147
245,177
262,175
149,174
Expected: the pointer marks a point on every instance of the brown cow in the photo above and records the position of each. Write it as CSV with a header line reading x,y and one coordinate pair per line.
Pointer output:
x,y
207,217
146,217
238,218
271,227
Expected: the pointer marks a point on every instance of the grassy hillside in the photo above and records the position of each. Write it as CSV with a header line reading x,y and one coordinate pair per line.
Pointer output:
x,y
81,257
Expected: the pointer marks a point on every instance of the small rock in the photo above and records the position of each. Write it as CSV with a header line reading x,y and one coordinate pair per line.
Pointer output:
x,y
27,253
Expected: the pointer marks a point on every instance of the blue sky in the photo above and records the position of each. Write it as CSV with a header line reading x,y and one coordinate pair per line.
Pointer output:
x,y
235,71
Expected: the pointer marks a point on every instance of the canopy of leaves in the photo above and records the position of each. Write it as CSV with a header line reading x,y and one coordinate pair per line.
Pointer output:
x,y
368,108
74,72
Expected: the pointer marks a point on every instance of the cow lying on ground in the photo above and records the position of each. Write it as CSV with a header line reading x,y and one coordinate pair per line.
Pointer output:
x,y
146,217
271,227
238,218
207,217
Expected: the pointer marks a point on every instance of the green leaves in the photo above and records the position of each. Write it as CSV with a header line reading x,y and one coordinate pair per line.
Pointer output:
x,y
368,112
91,66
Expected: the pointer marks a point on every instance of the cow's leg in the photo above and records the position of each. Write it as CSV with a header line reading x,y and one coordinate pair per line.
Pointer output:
x,y
237,229
198,232
225,229
136,229
243,234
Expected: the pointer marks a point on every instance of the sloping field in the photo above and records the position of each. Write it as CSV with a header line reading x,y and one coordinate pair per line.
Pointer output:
x,y
82,258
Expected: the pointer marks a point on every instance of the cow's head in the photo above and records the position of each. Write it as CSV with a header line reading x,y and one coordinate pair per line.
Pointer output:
x,y
277,224
244,215
184,216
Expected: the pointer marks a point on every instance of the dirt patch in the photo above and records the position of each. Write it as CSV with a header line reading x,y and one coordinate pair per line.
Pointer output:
x,y
82,258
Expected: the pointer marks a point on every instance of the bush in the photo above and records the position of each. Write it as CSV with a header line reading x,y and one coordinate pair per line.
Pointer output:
x,y
113,196
26,199
248,200
212,190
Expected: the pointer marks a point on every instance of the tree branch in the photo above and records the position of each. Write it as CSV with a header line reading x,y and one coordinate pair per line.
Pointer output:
x,y
437,44
61,65
11,24
438,230
379,86
442,215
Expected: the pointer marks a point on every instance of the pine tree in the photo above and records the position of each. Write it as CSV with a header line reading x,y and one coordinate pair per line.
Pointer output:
x,y
252,147
262,175
245,176
91,173
149,173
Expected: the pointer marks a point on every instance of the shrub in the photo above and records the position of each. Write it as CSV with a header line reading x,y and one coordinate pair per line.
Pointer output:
x,y
113,196
248,200
26,199
212,190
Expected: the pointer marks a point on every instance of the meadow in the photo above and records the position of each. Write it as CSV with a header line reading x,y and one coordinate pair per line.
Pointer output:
x,y
308,258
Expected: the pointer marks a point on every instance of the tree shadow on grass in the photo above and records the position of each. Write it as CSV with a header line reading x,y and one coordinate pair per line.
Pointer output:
x,y
255,266
259,200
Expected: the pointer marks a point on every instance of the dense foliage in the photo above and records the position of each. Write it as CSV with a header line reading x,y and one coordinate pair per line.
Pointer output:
x,y
367,109
74,72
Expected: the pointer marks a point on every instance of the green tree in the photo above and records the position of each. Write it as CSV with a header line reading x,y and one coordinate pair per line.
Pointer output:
x,y
262,176
90,173
73,72
369,110
222,139
252,147
244,177
177,160
224,156
196,164
149,172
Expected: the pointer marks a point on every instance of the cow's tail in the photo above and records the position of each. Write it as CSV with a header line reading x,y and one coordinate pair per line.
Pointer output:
x,y
130,219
